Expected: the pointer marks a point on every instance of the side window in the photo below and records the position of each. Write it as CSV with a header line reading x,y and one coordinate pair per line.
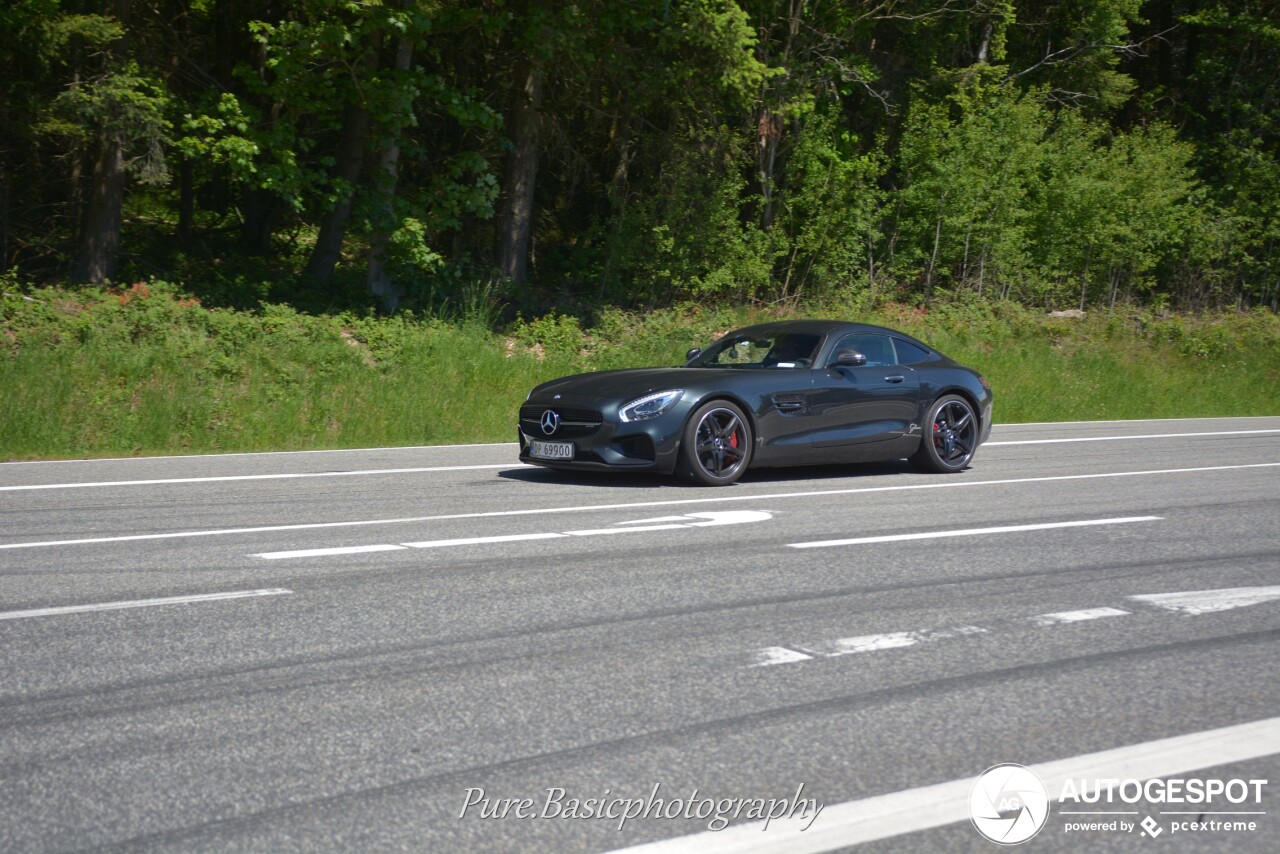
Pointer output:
x,y
877,348
911,354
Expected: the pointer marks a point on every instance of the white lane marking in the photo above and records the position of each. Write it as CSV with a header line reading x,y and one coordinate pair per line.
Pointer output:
x,y
330,552
1210,601
493,514
418,470
1013,424
864,643
854,645
724,517
141,603
1194,603
231,477
1077,616
776,655
1122,438
899,813
263,454
972,532
1010,425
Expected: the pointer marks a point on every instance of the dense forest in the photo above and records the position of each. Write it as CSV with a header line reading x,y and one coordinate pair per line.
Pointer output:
x,y
414,153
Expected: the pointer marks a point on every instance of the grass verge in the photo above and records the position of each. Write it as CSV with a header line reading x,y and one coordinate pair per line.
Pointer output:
x,y
149,371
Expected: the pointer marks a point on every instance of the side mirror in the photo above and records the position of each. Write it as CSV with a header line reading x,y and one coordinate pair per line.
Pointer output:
x,y
693,354
850,359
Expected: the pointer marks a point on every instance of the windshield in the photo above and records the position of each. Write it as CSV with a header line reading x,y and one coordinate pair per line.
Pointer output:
x,y
759,350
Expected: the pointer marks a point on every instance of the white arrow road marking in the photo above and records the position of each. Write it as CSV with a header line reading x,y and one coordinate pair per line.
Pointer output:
x,y
898,813
666,523
141,603
719,517
1193,603
1208,601
972,532
436,544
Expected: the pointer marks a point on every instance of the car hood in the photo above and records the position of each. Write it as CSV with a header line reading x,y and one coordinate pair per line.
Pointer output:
x,y
621,385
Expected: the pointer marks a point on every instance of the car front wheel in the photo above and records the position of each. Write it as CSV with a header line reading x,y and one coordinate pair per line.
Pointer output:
x,y
715,446
951,436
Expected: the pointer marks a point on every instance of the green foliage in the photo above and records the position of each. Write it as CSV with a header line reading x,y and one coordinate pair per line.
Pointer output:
x,y
124,104
1076,153
831,211
220,136
552,335
694,241
1003,193
963,215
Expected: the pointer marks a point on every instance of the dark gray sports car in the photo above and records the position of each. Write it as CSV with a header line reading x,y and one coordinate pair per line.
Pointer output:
x,y
797,392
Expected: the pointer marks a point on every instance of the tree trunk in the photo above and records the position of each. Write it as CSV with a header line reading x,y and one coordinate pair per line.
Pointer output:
x,y
186,200
100,235
933,261
769,138
521,175
984,47
100,226
381,284
261,207
333,227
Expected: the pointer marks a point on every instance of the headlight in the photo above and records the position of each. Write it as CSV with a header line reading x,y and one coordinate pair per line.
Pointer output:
x,y
649,406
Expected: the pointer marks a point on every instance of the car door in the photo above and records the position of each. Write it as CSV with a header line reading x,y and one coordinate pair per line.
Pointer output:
x,y
875,402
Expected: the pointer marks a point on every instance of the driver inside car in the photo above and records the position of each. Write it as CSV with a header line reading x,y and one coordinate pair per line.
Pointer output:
x,y
790,351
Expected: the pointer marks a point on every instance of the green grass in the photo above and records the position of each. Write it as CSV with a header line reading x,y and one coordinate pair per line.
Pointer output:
x,y
147,371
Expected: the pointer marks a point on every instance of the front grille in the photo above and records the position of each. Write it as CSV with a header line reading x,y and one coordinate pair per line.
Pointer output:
x,y
574,423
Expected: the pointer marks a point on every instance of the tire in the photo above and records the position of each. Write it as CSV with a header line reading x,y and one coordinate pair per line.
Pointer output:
x,y
715,445
952,438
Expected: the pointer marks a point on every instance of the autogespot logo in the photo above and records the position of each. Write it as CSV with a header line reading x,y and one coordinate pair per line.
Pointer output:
x,y
1009,804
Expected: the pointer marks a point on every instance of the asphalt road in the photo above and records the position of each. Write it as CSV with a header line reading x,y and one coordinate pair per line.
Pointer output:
x,y
393,645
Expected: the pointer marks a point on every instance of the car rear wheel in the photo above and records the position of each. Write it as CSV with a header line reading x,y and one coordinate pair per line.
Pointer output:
x,y
952,436
715,447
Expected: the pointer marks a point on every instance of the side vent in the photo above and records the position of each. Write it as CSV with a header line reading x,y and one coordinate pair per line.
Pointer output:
x,y
790,404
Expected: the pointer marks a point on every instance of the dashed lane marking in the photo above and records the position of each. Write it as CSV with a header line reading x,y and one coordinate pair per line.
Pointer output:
x,y
141,603
972,532
1191,603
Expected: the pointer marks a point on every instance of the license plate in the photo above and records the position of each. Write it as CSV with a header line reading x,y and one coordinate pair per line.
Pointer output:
x,y
551,450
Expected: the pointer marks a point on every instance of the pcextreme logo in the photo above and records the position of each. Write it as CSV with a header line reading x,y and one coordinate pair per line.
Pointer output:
x,y
1008,804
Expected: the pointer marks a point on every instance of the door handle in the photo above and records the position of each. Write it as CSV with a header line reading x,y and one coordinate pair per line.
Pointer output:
x,y
897,379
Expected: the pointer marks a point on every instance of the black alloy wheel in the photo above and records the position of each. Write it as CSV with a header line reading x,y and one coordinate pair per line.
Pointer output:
x,y
715,448
951,437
